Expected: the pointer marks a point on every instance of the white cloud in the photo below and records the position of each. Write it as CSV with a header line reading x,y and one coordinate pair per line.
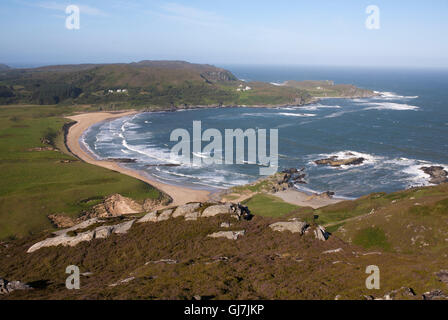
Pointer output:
x,y
84,9
189,15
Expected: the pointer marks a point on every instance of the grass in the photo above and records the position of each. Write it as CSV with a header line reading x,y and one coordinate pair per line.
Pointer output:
x,y
372,237
269,206
36,184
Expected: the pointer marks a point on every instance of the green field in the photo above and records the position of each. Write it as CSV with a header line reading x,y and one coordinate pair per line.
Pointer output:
x,y
36,184
269,206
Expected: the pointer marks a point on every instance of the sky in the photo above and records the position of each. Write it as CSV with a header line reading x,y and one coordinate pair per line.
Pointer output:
x,y
258,32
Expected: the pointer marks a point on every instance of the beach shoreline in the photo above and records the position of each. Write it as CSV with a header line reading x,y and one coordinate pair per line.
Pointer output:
x,y
179,194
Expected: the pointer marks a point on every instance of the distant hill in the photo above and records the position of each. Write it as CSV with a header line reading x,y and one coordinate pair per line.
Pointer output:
x,y
156,85
4,67
147,83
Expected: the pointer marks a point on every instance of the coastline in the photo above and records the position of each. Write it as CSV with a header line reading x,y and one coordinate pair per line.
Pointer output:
x,y
180,195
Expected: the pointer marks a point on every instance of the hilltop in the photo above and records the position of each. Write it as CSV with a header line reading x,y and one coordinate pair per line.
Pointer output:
x,y
153,85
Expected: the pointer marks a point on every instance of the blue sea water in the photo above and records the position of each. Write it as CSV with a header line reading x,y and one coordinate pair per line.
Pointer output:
x,y
400,131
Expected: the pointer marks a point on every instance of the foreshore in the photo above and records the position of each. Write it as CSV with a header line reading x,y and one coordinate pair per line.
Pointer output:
x,y
180,195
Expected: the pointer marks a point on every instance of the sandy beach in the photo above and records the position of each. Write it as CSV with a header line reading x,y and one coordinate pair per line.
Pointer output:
x,y
179,195
305,200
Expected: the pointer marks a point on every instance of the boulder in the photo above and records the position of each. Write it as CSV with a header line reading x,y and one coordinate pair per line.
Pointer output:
x,y
321,234
435,295
150,217
103,232
293,226
123,228
437,174
165,215
192,216
189,208
242,212
217,210
231,235
7,287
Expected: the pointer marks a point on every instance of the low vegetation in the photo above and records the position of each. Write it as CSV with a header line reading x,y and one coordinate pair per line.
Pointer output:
x,y
39,179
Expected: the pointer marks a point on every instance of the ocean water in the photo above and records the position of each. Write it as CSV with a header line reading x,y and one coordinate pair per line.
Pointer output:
x,y
403,129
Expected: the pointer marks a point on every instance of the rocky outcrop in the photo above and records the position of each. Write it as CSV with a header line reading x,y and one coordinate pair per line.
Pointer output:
x,y
112,206
231,235
152,204
294,175
165,215
63,238
193,211
437,174
61,221
293,226
321,234
334,161
7,287
150,217
435,295
215,210
115,205
185,209
83,225
325,195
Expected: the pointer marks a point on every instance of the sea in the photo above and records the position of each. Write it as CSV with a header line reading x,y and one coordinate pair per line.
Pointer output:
x,y
397,132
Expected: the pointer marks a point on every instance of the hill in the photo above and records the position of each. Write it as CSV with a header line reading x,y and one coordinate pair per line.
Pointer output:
x,y
215,256
156,85
4,67
148,84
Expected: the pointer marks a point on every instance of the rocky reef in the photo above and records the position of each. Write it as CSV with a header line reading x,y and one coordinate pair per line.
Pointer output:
x,y
437,174
335,161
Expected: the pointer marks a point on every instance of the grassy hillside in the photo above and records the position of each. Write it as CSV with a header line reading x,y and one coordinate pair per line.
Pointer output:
x,y
176,259
329,89
148,84
39,182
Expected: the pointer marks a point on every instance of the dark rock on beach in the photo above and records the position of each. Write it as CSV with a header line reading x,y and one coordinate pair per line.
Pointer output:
x,y
122,160
437,174
294,176
169,165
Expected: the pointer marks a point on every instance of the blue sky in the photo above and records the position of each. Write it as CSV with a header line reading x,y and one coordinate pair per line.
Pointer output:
x,y
412,33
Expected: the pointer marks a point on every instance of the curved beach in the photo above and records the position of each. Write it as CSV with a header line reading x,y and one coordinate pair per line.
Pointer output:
x,y
180,195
